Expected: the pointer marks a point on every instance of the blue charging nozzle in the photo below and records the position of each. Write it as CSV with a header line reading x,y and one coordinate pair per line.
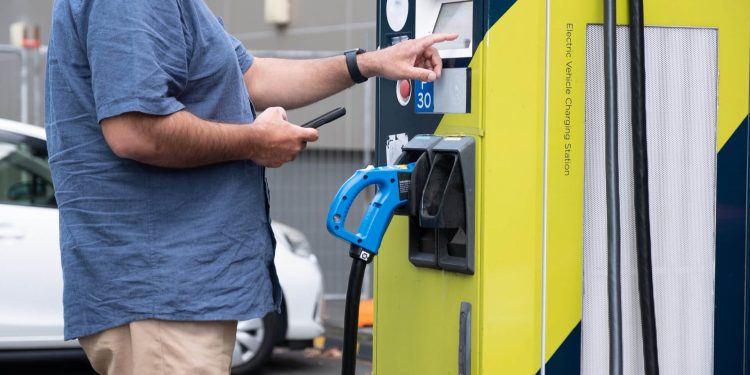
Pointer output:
x,y
393,185
393,192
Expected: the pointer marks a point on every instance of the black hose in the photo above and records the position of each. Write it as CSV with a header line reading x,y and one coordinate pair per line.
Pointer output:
x,y
613,189
351,315
640,175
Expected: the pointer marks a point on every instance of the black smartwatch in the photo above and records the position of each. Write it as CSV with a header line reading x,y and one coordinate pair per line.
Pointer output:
x,y
351,64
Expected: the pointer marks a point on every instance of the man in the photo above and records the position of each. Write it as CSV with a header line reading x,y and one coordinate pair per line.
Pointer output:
x,y
158,163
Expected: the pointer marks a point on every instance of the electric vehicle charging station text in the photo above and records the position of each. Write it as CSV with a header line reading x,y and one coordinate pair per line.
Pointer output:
x,y
518,87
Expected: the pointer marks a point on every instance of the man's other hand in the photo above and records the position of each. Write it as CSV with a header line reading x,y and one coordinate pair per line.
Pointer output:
x,y
412,59
279,141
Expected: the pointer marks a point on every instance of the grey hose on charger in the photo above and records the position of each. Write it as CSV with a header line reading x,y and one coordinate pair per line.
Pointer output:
x,y
613,189
641,196
351,314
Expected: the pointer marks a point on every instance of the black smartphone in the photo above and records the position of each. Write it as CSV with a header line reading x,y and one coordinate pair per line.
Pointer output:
x,y
326,118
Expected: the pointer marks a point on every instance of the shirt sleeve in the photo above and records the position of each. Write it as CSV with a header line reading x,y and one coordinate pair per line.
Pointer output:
x,y
244,58
137,54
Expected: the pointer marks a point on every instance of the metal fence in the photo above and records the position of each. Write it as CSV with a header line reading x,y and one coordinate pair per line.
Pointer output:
x,y
301,192
21,89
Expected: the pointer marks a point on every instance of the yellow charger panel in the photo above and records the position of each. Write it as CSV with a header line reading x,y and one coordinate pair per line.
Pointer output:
x,y
523,81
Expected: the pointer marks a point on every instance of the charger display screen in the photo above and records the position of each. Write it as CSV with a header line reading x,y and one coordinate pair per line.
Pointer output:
x,y
455,18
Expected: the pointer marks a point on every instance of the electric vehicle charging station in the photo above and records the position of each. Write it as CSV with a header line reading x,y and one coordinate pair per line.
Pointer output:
x,y
496,264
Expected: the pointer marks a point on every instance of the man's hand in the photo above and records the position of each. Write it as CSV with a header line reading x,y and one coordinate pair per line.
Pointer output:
x,y
280,141
412,59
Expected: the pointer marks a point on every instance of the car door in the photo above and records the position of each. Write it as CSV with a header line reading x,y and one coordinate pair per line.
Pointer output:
x,y
30,273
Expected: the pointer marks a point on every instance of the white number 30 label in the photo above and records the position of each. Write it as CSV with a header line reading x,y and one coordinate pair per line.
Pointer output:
x,y
424,100
424,97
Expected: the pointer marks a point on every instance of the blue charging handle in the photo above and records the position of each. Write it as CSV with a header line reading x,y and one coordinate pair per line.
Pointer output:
x,y
393,188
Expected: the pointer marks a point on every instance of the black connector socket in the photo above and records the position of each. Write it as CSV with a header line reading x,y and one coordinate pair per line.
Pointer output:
x,y
422,249
447,204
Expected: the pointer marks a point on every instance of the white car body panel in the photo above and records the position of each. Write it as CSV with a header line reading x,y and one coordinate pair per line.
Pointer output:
x,y
302,284
30,278
31,311
23,129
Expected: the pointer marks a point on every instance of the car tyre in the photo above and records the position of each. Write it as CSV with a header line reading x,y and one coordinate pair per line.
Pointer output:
x,y
254,344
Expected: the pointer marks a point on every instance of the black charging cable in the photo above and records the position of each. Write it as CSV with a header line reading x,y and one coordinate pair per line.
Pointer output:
x,y
360,259
614,287
641,199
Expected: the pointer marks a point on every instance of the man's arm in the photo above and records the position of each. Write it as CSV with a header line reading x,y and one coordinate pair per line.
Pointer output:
x,y
182,140
297,83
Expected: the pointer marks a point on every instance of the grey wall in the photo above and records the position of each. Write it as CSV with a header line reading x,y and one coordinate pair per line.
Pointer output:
x,y
29,11
300,191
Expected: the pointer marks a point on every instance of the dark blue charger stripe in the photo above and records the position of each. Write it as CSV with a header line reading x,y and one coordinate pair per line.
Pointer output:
x,y
747,260
497,9
567,358
731,254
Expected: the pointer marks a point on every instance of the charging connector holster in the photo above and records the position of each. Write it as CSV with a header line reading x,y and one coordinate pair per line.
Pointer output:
x,y
441,202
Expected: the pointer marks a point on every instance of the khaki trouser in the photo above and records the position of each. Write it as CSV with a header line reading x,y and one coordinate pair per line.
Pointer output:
x,y
151,347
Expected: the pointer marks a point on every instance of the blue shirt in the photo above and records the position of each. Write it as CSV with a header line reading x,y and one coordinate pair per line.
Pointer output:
x,y
138,241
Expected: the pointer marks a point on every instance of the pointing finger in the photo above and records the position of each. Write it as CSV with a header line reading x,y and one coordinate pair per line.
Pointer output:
x,y
437,38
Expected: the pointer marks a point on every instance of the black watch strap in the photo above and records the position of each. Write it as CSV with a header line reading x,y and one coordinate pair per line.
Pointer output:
x,y
351,64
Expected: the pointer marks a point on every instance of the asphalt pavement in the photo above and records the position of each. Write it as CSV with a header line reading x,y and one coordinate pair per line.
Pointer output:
x,y
282,362
309,362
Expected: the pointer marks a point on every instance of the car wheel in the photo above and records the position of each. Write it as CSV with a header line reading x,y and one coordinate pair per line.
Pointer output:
x,y
254,344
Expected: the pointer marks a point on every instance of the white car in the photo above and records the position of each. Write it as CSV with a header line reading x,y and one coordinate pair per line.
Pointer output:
x,y
31,312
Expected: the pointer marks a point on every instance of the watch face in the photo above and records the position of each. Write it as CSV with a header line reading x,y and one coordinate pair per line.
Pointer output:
x,y
397,11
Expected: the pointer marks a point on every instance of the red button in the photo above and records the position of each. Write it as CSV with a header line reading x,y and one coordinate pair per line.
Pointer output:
x,y
404,88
